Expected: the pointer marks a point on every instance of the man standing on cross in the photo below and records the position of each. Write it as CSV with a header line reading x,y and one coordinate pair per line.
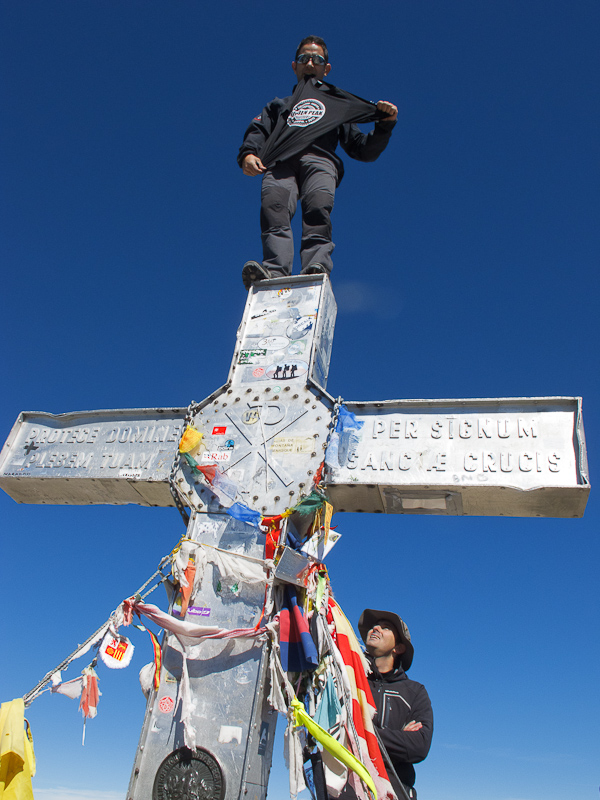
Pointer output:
x,y
404,720
312,173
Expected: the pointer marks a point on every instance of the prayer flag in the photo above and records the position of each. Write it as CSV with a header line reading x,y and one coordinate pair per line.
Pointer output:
x,y
298,651
344,439
310,504
245,514
71,688
190,440
90,694
157,658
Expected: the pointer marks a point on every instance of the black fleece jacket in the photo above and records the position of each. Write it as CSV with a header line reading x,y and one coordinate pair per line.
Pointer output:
x,y
358,145
400,700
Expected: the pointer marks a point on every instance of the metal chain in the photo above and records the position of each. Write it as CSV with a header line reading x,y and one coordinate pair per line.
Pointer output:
x,y
334,418
192,408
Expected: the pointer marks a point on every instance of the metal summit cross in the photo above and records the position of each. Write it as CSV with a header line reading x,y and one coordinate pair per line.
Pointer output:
x,y
267,428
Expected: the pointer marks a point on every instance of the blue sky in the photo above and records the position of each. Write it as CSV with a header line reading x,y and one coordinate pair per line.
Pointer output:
x,y
466,265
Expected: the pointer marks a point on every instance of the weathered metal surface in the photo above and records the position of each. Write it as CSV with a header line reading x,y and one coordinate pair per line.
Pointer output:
x,y
501,457
266,429
187,773
235,725
86,457
291,567
268,442
286,333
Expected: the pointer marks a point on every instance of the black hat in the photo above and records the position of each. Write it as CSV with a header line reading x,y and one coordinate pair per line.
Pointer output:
x,y
370,617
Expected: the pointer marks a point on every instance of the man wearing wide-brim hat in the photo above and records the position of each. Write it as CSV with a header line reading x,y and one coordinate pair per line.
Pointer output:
x,y
404,718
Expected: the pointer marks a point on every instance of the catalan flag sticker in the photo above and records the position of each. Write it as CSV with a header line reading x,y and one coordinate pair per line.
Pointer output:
x,y
116,651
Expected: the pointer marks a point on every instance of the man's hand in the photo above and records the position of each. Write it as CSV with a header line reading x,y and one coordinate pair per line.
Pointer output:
x,y
388,108
413,726
252,165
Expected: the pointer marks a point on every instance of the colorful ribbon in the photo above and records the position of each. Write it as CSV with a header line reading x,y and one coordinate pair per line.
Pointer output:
x,y
332,746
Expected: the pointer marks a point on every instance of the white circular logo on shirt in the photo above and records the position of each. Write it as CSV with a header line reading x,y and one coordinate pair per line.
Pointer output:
x,y
306,112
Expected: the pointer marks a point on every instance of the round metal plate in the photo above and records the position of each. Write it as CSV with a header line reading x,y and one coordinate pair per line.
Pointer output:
x,y
189,775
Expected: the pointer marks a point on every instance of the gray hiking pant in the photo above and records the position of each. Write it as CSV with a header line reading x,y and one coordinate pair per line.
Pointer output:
x,y
313,179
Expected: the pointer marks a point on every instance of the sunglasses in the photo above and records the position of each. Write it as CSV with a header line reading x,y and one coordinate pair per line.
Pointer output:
x,y
304,58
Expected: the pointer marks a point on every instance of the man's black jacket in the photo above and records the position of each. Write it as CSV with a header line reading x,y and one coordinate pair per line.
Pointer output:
x,y
358,145
400,700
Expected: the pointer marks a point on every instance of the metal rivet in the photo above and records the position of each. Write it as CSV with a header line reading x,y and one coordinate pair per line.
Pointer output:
x,y
318,418
268,389
312,455
276,397
257,397
229,391
287,388
301,485
292,493
255,498
276,499
308,400
248,391
295,397
309,472
313,406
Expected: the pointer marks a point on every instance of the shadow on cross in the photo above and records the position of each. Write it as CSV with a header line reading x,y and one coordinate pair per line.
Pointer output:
x,y
232,653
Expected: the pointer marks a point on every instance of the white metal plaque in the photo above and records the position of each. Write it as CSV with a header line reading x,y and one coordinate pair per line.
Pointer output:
x,y
86,457
511,456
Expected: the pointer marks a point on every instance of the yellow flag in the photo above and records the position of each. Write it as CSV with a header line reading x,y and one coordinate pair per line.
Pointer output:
x,y
17,764
327,519
190,440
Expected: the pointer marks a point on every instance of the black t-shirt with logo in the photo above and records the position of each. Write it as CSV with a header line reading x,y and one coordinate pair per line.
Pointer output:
x,y
315,119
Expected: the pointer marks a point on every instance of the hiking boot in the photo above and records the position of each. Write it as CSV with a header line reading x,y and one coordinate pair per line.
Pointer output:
x,y
253,272
315,269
